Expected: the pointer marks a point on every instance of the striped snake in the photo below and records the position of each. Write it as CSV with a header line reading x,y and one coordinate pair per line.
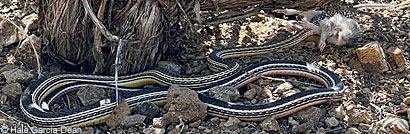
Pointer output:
x,y
39,95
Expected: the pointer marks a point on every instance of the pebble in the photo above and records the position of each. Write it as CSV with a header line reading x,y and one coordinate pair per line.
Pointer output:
x,y
119,114
250,94
352,130
331,122
3,99
148,109
227,94
331,66
254,101
87,130
195,124
406,101
90,94
12,91
305,127
160,122
259,89
290,93
214,120
339,71
8,33
292,121
295,128
284,87
184,104
359,116
133,120
310,114
154,131
364,126
391,125
339,113
208,131
264,82
17,75
270,124
232,123
8,67
408,113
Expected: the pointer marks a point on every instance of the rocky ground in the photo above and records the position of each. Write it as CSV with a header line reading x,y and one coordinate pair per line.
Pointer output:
x,y
373,102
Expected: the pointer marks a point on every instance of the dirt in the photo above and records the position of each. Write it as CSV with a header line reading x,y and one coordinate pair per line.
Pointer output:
x,y
372,102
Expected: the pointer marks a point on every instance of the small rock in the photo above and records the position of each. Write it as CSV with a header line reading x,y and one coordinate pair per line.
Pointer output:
x,y
284,87
372,57
89,94
339,113
321,130
148,109
195,124
160,122
406,100
8,33
339,71
352,130
408,113
259,89
364,126
264,82
310,114
391,125
8,67
254,101
290,93
306,127
397,56
331,122
331,66
3,99
270,125
250,94
227,94
208,131
133,120
292,121
12,91
214,120
119,114
87,130
359,116
232,123
295,128
154,131
184,104
17,75
2,82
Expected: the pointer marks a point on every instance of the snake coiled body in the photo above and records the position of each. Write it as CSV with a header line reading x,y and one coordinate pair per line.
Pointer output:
x,y
36,98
